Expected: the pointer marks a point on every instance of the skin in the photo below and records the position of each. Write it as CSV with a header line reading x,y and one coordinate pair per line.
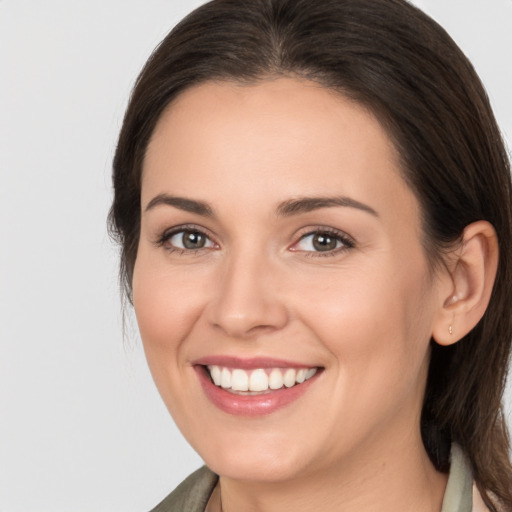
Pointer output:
x,y
365,314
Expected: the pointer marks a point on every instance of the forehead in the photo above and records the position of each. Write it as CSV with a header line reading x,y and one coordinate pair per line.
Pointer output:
x,y
272,115
276,138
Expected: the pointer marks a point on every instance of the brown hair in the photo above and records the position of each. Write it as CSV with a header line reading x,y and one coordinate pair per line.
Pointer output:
x,y
392,58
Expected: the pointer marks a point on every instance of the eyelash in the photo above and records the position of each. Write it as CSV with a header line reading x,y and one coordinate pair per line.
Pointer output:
x,y
167,235
346,241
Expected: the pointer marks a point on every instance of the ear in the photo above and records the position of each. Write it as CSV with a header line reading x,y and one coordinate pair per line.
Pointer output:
x,y
471,271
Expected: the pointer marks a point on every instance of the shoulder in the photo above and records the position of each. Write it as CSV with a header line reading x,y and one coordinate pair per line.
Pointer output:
x,y
192,494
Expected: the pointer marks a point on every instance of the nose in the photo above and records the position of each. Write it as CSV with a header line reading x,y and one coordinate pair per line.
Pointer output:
x,y
248,301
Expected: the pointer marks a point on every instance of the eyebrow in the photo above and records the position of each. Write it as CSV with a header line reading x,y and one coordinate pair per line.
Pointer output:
x,y
284,209
182,203
308,204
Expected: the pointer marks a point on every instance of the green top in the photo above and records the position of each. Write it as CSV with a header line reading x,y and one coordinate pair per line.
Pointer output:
x,y
193,494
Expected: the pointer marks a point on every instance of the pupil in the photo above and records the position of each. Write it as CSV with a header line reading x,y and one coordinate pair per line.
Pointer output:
x,y
323,242
193,240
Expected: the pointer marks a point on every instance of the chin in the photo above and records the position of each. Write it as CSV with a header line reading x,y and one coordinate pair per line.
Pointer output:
x,y
258,469
259,461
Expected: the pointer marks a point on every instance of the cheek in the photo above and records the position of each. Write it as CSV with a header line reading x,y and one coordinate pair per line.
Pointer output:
x,y
167,304
376,324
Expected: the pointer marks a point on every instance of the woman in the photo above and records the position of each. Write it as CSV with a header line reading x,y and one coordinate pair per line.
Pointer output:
x,y
313,203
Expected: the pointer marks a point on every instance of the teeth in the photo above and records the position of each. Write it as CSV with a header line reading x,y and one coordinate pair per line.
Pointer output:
x,y
275,380
289,377
258,380
225,378
310,373
215,372
239,380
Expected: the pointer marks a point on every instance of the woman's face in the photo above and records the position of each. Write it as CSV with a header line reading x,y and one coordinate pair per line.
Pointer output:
x,y
279,243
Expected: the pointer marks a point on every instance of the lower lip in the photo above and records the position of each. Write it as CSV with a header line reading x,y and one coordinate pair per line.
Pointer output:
x,y
251,405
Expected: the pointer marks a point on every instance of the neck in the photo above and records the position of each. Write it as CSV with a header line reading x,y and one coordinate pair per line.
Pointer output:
x,y
399,477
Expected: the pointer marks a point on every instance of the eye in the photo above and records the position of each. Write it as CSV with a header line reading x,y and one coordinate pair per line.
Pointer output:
x,y
323,241
186,240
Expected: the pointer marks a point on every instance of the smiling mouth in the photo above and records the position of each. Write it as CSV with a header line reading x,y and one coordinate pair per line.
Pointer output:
x,y
259,380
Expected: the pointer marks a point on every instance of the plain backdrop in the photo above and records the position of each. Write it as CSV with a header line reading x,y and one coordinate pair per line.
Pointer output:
x,y
82,427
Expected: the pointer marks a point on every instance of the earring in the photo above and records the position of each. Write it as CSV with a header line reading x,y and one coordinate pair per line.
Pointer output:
x,y
450,330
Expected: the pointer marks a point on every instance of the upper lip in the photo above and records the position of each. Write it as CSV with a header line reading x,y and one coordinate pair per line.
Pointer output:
x,y
249,363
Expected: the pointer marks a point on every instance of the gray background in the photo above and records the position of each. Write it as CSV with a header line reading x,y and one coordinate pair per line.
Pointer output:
x,y
81,425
